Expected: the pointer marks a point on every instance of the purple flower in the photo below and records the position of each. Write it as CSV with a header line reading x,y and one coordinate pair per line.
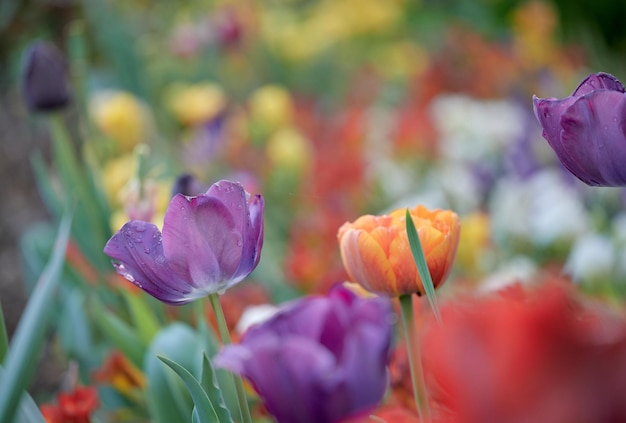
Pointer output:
x,y
587,130
209,243
320,359
45,78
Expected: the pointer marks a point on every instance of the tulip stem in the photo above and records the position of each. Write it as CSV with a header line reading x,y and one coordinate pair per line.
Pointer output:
x,y
225,335
415,359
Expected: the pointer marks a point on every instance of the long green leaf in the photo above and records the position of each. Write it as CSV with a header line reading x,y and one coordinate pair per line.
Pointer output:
x,y
119,332
204,407
30,331
27,411
142,316
422,266
209,383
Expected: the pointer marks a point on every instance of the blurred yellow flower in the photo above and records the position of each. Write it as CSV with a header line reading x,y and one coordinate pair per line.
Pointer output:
x,y
376,253
115,175
534,24
474,241
121,117
288,148
271,107
197,103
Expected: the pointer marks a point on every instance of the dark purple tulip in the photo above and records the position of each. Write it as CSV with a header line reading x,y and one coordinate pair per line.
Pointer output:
x,y
209,243
320,359
45,79
587,130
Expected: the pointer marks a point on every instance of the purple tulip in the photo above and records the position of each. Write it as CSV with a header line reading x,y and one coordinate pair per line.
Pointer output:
x,y
587,130
209,243
45,78
320,359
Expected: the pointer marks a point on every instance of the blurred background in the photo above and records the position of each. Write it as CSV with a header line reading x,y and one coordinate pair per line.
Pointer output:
x,y
332,109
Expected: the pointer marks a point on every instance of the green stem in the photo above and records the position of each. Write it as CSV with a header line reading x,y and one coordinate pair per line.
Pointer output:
x,y
225,335
415,360
4,339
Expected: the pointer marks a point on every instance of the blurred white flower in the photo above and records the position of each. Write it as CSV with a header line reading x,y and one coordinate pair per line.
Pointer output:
x,y
519,269
472,129
542,210
592,258
253,315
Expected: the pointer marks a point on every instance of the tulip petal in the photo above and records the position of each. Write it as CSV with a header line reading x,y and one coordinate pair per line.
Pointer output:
x,y
548,112
292,388
598,81
252,239
366,263
593,133
201,241
138,252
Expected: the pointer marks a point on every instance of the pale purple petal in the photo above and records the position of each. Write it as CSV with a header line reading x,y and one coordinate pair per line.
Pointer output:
x,y
252,239
138,254
201,241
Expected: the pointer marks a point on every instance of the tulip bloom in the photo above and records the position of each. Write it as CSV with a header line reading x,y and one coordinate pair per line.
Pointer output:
x,y
376,252
587,130
45,79
320,359
209,243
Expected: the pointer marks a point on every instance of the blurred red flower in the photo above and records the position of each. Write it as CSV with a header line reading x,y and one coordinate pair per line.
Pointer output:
x,y
539,355
72,407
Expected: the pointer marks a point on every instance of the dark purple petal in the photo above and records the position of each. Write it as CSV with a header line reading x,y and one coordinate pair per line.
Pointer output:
x,y
548,112
45,79
288,372
138,252
320,359
594,137
201,241
598,81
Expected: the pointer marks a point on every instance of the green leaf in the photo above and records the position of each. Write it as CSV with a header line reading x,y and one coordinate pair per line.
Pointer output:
x,y
120,333
204,407
28,411
144,319
168,399
209,383
89,230
422,266
31,329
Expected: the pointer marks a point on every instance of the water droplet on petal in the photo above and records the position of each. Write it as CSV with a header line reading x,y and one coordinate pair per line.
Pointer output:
x,y
146,250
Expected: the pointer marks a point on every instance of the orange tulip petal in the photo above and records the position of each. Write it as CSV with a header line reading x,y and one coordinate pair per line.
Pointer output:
x,y
366,263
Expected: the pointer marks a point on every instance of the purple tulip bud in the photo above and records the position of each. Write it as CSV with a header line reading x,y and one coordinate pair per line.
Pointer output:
x,y
587,130
45,79
320,359
209,243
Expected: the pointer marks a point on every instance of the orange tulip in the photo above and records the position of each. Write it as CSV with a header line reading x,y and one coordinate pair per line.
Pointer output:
x,y
376,252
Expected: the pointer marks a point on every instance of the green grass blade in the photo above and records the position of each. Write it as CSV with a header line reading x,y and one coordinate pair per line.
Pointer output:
x,y
204,407
422,266
31,329
120,333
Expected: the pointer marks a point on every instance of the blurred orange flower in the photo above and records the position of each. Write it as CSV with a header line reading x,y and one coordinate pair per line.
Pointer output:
x,y
376,253
119,372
